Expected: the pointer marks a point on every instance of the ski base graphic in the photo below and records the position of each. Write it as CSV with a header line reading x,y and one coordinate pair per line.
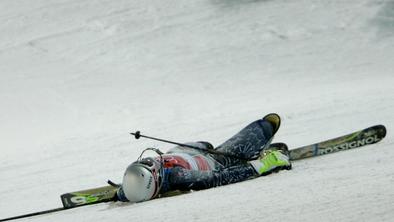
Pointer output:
x,y
357,139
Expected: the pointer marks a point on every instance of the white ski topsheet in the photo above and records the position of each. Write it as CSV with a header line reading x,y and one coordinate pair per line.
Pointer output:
x,y
77,76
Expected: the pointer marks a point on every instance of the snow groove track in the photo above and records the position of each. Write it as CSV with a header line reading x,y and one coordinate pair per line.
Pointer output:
x,y
76,76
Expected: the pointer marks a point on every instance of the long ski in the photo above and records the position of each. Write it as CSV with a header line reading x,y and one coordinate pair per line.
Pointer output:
x,y
87,197
357,139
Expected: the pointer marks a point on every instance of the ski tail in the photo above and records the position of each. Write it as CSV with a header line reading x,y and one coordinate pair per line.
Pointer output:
x,y
357,139
90,196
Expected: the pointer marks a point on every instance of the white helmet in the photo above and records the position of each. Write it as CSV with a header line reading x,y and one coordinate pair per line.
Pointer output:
x,y
141,181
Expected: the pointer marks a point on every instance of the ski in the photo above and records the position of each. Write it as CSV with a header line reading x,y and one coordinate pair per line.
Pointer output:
x,y
90,196
354,140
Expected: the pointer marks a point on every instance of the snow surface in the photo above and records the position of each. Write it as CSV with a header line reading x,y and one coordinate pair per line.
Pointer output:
x,y
76,76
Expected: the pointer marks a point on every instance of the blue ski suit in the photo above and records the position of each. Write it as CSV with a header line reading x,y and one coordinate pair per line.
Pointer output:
x,y
190,169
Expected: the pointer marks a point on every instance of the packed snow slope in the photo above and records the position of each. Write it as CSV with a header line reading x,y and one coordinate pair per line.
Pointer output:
x,y
76,76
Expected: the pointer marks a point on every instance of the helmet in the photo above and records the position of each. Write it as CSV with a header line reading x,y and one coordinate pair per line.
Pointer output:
x,y
142,180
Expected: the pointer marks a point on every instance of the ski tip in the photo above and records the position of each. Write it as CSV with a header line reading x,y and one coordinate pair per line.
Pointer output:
x,y
383,127
382,131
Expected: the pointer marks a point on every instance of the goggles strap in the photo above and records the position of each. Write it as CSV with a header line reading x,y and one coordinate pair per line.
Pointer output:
x,y
161,170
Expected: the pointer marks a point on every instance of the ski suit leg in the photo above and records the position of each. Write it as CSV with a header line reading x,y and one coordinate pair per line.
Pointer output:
x,y
248,143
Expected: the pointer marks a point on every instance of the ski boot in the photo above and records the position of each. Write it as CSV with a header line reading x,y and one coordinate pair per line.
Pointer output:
x,y
282,147
274,119
272,160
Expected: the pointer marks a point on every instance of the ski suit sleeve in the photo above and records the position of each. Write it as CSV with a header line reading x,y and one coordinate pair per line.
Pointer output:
x,y
184,179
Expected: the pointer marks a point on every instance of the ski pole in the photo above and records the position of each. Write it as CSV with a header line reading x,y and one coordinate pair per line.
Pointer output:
x,y
138,135
35,214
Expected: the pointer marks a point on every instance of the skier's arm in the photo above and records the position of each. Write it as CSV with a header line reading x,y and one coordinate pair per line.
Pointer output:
x,y
183,179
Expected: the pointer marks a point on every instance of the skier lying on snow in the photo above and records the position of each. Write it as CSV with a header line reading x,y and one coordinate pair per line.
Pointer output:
x,y
183,168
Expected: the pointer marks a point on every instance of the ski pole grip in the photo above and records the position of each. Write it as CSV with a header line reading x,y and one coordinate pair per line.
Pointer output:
x,y
137,134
